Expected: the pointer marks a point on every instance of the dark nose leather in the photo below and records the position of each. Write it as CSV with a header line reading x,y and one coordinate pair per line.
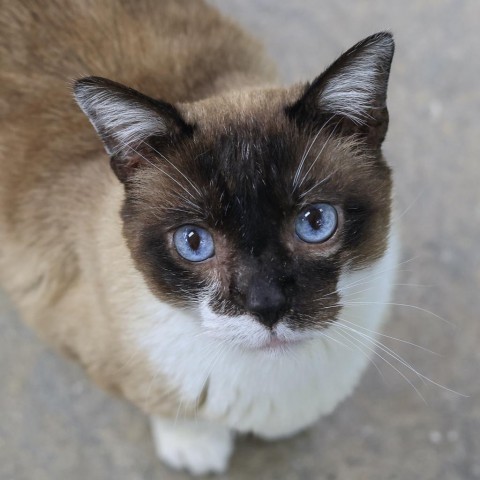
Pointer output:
x,y
265,300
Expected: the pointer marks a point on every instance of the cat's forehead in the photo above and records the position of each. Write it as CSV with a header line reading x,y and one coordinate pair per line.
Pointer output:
x,y
246,140
251,154
244,145
250,132
240,107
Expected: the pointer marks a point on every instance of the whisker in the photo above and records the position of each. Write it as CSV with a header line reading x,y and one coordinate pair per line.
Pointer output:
x,y
175,167
415,307
318,155
390,337
384,349
352,294
415,200
397,357
304,157
375,274
368,357
391,365
160,170
328,337
302,160
304,194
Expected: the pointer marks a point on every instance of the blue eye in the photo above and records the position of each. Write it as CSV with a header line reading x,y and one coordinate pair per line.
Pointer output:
x,y
316,223
193,243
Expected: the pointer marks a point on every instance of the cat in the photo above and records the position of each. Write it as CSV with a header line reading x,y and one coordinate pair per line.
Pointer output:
x,y
211,272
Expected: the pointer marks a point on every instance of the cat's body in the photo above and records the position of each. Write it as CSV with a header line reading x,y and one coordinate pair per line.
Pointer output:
x,y
180,344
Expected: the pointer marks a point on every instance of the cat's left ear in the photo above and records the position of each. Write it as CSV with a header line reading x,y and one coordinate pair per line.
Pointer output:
x,y
351,94
128,122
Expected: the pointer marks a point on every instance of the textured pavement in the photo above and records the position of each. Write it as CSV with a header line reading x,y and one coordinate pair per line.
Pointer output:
x,y
55,425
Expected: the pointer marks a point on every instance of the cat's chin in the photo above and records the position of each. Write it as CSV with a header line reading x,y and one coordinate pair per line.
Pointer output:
x,y
266,341
277,344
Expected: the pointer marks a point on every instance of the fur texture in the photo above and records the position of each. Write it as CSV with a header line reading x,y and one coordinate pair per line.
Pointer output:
x,y
255,338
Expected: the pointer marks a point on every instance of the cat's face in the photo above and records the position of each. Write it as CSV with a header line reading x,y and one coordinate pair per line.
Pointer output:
x,y
246,209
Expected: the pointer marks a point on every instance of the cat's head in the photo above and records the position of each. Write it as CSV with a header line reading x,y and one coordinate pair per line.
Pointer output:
x,y
246,208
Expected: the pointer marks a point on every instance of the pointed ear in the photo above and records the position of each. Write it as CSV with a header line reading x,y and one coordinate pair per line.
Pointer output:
x,y
352,92
127,121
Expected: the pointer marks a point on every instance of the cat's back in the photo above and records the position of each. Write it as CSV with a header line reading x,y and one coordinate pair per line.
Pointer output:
x,y
171,49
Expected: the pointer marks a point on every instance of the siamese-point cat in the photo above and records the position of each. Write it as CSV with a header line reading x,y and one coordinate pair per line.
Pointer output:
x,y
211,264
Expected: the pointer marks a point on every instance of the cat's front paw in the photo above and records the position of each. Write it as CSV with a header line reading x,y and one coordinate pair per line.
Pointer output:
x,y
196,446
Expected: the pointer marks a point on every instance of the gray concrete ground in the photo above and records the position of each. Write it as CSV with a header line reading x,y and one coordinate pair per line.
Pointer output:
x,y
54,424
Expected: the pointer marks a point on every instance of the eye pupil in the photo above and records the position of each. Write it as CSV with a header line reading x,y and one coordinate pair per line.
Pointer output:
x,y
314,217
193,240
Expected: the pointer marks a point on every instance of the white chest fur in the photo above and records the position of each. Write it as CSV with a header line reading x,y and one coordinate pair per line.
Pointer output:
x,y
268,392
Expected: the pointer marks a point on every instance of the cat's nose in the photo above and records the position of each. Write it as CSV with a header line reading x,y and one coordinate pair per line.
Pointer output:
x,y
265,300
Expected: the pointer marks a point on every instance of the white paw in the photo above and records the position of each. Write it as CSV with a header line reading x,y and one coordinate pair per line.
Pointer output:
x,y
199,447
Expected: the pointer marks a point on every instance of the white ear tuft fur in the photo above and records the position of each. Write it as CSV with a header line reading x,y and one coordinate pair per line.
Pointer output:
x,y
359,83
121,120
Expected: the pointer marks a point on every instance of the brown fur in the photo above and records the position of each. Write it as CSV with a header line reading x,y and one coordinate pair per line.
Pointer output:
x,y
64,258
59,200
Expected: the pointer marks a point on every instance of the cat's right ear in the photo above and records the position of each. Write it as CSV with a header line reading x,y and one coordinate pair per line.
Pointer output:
x,y
128,122
351,93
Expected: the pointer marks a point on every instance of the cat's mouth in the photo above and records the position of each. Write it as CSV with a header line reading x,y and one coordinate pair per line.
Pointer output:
x,y
276,343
